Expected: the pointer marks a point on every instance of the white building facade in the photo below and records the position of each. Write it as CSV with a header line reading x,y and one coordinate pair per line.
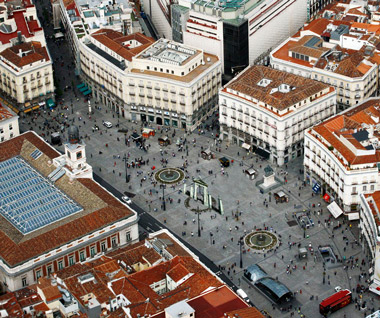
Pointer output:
x,y
9,127
270,115
340,156
162,82
370,235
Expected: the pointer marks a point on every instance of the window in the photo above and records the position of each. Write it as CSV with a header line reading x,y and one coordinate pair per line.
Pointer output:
x,y
82,257
24,282
10,127
11,135
103,246
60,265
128,237
38,274
92,251
364,188
79,154
49,270
113,242
71,260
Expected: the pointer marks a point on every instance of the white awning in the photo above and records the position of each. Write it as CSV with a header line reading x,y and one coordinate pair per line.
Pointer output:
x,y
246,146
58,35
42,104
334,209
353,216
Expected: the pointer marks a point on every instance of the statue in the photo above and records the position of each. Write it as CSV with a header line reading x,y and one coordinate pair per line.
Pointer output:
x,y
268,171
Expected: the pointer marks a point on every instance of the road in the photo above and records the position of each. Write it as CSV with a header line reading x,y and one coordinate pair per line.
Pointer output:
x,y
150,225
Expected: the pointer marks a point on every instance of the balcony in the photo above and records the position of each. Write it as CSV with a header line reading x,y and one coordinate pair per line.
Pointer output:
x,y
354,192
164,89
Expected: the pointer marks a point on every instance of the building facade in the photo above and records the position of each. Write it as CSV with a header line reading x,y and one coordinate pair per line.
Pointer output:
x,y
60,216
321,52
268,110
370,235
238,32
341,155
9,127
27,73
160,82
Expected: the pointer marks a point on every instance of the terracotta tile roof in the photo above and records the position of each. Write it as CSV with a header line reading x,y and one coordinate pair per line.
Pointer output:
x,y
178,272
16,248
21,24
300,88
41,307
250,312
8,302
30,52
317,26
114,41
345,125
136,287
216,303
5,113
374,205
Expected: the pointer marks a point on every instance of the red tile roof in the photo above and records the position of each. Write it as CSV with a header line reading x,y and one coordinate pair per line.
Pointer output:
x,y
14,253
30,52
114,41
344,125
301,88
22,26
250,312
178,272
5,113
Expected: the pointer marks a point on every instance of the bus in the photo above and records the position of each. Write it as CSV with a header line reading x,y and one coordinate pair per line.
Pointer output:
x,y
336,301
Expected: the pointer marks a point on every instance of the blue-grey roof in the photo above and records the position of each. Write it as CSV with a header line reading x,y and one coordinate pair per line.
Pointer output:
x,y
275,286
256,273
361,135
340,30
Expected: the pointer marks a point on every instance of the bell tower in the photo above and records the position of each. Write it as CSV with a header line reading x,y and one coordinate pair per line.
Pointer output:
x,y
75,149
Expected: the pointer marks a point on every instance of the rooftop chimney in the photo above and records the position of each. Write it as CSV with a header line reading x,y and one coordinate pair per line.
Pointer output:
x,y
19,37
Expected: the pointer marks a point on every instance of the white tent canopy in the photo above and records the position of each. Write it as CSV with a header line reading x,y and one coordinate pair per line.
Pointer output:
x,y
246,146
353,216
59,35
334,209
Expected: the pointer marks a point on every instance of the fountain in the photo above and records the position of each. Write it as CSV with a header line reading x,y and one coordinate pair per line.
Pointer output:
x,y
261,241
169,175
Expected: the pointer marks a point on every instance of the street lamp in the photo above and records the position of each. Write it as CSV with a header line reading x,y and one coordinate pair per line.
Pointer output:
x,y
72,107
241,251
199,223
126,168
163,197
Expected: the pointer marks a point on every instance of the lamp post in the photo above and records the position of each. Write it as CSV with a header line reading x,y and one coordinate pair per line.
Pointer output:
x,y
241,251
163,197
126,168
199,222
125,139
72,107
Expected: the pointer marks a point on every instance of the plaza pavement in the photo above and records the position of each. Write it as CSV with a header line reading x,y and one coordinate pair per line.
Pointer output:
x,y
237,192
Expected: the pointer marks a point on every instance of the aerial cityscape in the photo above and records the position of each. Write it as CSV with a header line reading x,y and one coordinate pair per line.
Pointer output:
x,y
190,158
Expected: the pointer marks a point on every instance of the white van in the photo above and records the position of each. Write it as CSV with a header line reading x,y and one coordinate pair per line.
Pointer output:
x,y
242,294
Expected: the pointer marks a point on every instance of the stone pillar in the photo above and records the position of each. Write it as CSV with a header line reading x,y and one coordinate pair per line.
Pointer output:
x,y
184,188
195,191
210,201
192,192
205,196
221,210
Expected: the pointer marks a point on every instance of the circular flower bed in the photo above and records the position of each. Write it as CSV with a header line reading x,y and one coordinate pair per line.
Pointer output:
x,y
261,240
169,175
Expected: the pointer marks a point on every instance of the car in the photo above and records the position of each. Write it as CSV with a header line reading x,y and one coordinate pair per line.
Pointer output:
x,y
224,161
243,295
126,199
338,288
107,124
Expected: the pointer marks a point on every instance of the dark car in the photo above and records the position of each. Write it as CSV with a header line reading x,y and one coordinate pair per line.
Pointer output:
x,y
224,161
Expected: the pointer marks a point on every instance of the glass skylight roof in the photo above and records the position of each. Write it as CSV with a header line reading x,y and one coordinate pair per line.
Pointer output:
x,y
28,200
